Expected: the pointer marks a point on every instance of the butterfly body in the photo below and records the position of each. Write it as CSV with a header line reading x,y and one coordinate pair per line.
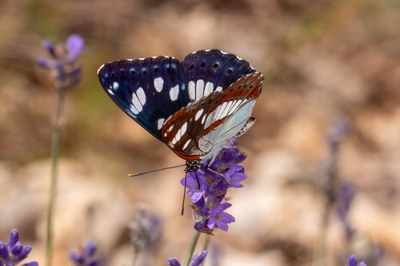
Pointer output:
x,y
194,106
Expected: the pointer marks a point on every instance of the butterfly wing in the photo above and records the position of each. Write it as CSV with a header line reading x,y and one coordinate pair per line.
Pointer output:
x,y
207,71
198,131
149,90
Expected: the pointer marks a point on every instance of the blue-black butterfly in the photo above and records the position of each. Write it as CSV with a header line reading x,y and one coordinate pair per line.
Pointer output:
x,y
194,106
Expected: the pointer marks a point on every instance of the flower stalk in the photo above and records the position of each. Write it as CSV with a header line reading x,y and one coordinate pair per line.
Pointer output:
x,y
67,74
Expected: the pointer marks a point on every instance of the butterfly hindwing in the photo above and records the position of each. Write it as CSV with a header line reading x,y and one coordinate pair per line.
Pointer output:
x,y
198,130
149,90
207,71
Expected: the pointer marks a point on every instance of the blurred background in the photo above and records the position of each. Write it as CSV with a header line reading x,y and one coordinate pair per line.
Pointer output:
x,y
326,63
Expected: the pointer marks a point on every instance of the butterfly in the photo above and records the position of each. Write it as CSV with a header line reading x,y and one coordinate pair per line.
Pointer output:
x,y
194,106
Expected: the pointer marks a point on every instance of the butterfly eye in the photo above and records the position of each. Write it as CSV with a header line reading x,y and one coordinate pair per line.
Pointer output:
x,y
121,71
191,66
132,71
203,64
215,65
113,75
229,71
156,69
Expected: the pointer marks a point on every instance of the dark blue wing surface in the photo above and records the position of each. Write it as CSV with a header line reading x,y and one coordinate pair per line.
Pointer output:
x,y
149,90
212,70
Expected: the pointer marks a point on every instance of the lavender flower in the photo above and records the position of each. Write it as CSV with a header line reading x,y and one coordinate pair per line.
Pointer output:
x,y
196,260
352,261
208,186
87,256
13,252
146,231
63,59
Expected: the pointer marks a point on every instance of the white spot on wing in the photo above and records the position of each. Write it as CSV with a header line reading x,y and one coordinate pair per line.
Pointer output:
x,y
186,144
198,114
227,109
158,84
177,137
208,88
219,89
141,95
110,92
220,110
192,91
234,107
199,89
136,103
203,119
160,123
115,85
133,109
174,93
183,128
170,128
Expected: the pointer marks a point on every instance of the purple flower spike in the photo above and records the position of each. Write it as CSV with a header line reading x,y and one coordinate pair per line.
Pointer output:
x,y
196,260
12,253
90,249
31,264
199,258
14,237
24,252
220,219
235,174
63,61
75,46
173,262
195,182
17,249
3,252
45,63
352,261
48,45
208,186
87,256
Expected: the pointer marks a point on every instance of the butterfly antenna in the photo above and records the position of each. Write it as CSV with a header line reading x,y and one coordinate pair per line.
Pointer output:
x,y
155,170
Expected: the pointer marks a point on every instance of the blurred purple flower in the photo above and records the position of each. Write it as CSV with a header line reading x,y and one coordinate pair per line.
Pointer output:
x,y
173,262
344,199
352,261
87,256
197,259
13,252
75,46
63,61
339,130
146,231
208,185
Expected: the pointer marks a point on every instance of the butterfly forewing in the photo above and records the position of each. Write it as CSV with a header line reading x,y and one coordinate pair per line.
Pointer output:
x,y
196,131
149,90
207,71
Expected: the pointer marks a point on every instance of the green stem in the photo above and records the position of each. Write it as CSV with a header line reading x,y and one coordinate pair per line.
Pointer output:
x,y
207,242
55,152
192,247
